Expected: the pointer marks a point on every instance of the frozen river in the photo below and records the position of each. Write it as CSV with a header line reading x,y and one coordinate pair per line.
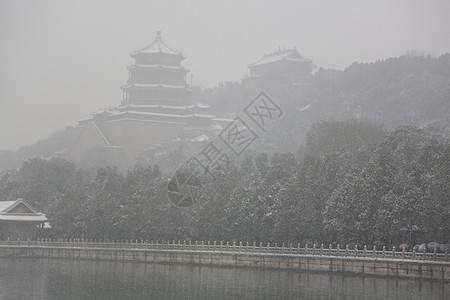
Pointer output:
x,y
62,279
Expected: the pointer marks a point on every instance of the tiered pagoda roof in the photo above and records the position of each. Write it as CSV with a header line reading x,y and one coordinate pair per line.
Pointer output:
x,y
157,76
157,46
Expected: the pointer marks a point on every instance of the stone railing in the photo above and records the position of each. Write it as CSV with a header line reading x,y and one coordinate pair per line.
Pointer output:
x,y
263,248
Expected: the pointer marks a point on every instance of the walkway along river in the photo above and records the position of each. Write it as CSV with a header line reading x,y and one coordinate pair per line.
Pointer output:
x,y
419,265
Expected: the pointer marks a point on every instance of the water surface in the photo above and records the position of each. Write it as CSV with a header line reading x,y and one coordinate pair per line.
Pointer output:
x,y
63,279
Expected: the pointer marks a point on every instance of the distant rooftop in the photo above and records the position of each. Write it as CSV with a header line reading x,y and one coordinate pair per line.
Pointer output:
x,y
279,55
157,46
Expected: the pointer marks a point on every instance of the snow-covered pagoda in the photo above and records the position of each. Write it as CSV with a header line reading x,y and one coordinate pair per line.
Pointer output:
x,y
157,76
19,220
157,105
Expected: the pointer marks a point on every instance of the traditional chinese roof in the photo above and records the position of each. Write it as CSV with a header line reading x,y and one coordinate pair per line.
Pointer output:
x,y
19,210
159,66
157,116
150,85
157,46
194,107
280,55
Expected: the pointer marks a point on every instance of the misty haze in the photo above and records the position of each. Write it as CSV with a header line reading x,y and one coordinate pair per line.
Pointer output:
x,y
238,149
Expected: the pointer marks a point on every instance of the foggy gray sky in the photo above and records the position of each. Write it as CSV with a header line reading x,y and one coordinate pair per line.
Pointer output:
x,y
61,60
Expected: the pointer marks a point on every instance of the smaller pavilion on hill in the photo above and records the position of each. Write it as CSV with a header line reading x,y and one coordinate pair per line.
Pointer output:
x,y
281,62
18,220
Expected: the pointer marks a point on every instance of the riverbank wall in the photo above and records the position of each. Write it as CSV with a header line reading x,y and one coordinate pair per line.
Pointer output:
x,y
405,268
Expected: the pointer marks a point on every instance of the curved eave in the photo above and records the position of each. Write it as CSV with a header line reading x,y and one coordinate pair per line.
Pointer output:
x,y
257,64
23,217
138,66
136,53
161,106
163,115
154,86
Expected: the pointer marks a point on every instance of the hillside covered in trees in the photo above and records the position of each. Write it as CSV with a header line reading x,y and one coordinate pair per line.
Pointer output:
x,y
353,182
408,90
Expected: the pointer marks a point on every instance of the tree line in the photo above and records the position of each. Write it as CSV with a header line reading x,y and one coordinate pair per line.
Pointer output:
x,y
351,181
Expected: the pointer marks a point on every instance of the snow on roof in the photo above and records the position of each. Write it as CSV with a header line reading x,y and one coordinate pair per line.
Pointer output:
x,y
4,205
305,107
127,86
199,105
202,115
223,120
148,106
24,217
157,46
147,114
157,66
31,215
201,138
161,114
153,106
131,119
285,54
